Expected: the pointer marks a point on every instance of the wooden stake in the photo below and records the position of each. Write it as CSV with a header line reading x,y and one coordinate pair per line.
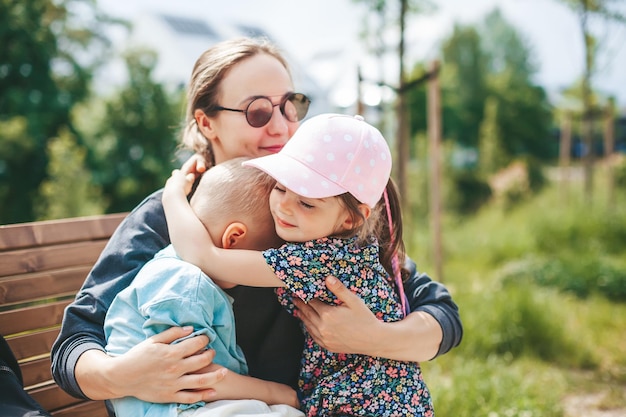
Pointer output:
x,y
434,151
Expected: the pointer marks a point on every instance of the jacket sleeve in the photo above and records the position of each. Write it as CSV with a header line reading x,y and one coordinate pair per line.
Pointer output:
x,y
140,235
430,296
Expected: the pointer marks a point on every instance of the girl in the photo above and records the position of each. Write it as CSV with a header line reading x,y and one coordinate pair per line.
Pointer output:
x,y
332,202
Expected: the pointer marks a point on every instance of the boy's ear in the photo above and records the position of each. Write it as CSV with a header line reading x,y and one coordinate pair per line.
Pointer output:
x,y
352,222
234,234
205,124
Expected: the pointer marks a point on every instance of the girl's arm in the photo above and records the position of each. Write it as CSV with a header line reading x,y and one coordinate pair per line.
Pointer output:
x,y
193,243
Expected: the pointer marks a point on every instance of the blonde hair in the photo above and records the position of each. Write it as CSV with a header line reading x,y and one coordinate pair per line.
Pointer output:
x,y
206,78
234,192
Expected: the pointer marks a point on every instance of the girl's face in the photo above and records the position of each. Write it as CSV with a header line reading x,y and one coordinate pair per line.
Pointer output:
x,y
229,132
299,219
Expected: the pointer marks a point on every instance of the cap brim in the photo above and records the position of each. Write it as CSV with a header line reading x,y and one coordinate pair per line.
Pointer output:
x,y
296,176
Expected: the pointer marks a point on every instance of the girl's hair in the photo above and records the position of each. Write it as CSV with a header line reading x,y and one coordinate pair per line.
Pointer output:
x,y
206,79
377,225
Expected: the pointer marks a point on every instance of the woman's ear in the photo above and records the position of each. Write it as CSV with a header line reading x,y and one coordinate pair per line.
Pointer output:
x,y
205,124
234,235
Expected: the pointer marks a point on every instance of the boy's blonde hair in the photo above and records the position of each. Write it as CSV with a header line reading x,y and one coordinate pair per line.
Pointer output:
x,y
236,193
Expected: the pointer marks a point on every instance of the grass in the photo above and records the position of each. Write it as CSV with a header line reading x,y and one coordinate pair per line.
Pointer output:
x,y
529,344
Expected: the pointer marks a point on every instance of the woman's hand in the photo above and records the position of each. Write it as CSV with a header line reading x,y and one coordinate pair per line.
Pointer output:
x,y
344,328
352,328
153,371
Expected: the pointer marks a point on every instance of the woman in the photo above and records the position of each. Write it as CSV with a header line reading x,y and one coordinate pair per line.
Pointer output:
x,y
240,103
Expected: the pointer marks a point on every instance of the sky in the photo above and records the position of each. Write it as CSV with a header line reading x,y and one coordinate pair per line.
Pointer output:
x,y
323,35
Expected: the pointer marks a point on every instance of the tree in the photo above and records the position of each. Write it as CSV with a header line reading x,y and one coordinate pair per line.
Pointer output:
x,y
385,9
491,152
491,62
464,80
49,49
132,149
68,190
587,11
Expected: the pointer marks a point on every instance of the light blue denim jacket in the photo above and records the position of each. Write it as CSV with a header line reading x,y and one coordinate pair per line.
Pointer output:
x,y
171,292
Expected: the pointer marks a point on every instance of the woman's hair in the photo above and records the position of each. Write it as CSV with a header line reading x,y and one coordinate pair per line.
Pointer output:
x,y
206,79
377,225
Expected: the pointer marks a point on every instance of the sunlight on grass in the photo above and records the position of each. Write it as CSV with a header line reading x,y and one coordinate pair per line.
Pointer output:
x,y
539,287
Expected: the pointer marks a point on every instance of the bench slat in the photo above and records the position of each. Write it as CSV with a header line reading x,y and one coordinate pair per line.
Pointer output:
x,y
42,267
36,372
51,397
32,318
33,344
42,285
86,409
50,257
54,232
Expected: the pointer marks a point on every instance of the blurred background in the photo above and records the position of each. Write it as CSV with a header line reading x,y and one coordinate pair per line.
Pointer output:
x,y
508,123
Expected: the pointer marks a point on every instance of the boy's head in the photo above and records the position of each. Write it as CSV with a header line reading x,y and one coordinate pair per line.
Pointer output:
x,y
232,202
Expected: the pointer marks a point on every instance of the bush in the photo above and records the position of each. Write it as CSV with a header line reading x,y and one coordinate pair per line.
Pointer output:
x,y
521,320
581,276
493,387
468,192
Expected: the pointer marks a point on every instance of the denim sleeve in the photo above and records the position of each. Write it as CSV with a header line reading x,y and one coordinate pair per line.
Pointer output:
x,y
430,296
140,235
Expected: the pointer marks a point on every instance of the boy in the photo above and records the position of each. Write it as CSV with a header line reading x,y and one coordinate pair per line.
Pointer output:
x,y
231,201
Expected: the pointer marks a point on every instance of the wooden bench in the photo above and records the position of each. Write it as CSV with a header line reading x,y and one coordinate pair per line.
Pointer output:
x,y
42,267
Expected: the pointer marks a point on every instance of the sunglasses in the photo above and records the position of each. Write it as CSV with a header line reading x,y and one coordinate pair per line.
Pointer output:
x,y
293,107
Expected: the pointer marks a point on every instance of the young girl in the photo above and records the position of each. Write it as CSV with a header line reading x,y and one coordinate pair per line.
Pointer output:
x,y
333,201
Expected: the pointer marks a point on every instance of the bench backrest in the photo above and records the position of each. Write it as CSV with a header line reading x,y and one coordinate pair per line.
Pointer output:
x,y
42,267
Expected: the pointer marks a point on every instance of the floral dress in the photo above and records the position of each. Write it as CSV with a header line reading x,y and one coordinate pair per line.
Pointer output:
x,y
336,384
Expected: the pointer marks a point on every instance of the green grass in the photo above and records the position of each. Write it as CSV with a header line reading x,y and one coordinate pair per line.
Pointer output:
x,y
541,289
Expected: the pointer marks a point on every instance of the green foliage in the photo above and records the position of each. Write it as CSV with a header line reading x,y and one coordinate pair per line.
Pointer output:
x,y
519,321
68,191
619,173
492,156
580,276
17,150
527,346
41,78
489,97
493,386
133,146
468,192
464,85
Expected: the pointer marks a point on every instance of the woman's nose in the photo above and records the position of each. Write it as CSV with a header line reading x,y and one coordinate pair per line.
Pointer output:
x,y
278,124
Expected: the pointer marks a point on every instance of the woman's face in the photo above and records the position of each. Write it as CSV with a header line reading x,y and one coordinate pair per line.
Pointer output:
x,y
229,132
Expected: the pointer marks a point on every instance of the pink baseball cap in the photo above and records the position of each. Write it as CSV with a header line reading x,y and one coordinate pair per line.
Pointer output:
x,y
331,154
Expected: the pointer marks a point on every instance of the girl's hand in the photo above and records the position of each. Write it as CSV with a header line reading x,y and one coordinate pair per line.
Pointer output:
x,y
194,165
183,178
179,182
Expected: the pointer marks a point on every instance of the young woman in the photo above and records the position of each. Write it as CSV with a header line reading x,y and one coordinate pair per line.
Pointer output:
x,y
241,101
